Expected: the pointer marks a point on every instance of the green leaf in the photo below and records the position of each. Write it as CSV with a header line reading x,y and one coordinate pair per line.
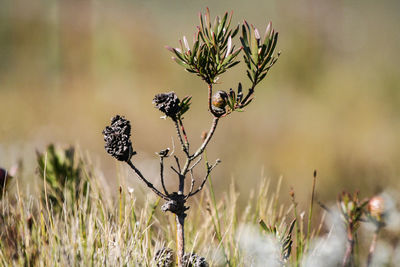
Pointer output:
x,y
262,77
229,21
271,51
254,47
249,75
247,102
195,48
216,23
244,38
267,34
191,71
271,43
178,54
180,62
235,31
245,46
207,17
233,64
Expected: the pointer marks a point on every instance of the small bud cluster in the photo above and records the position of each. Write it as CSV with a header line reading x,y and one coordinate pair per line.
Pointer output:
x,y
377,210
117,138
351,208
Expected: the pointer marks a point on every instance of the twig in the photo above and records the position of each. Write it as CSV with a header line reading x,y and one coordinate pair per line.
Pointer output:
x,y
209,169
184,134
150,185
207,140
201,149
173,146
177,163
172,167
194,165
372,246
347,259
178,132
215,114
191,184
311,209
162,175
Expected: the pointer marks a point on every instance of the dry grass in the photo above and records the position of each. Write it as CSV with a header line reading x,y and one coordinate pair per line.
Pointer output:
x,y
127,229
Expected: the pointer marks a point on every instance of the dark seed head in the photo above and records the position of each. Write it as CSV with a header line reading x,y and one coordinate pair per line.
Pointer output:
x,y
168,103
117,138
164,257
193,260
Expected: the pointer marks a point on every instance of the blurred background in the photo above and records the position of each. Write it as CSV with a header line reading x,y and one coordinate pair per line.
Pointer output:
x,y
330,103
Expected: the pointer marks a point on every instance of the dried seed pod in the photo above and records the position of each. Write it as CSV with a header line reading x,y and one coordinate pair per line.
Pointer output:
x,y
193,260
117,138
168,103
219,99
164,257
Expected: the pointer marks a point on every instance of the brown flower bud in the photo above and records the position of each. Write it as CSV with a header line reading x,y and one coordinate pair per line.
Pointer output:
x,y
219,99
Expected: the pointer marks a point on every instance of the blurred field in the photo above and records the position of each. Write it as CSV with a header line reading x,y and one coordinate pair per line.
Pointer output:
x,y
331,103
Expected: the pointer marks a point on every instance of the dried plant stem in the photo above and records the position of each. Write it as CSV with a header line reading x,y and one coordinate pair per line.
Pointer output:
x,y
209,101
201,149
311,209
150,185
350,247
209,169
180,238
184,134
207,140
372,246
185,146
216,220
162,175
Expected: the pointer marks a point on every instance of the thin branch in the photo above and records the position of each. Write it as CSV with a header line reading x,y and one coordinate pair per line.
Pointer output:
x,y
201,149
177,163
173,146
191,184
194,165
209,169
372,246
178,132
150,185
251,90
184,134
207,140
215,114
172,167
162,175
